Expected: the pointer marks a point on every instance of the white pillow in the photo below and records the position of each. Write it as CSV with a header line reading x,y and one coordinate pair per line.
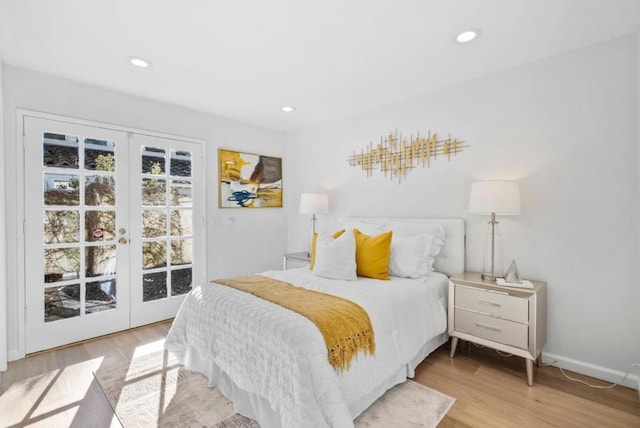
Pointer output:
x,y
405,228
410,256
336,258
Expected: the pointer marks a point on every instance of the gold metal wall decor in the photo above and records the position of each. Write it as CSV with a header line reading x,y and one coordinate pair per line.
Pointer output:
x,y
394,155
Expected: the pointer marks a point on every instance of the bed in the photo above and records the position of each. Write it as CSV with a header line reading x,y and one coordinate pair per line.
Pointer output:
x,y
272,362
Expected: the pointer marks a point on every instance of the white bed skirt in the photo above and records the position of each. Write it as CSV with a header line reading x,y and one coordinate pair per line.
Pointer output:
x,y
255,407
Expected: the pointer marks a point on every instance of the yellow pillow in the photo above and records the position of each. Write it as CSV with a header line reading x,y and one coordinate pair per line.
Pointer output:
x,y
314,240
372,254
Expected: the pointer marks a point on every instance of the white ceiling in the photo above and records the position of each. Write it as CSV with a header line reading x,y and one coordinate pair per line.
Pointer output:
x,y
245,59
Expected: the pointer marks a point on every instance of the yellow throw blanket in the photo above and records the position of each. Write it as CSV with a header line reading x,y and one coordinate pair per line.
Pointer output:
x,y
345,326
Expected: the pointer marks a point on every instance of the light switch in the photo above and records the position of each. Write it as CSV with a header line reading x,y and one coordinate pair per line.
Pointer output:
x,y
222,221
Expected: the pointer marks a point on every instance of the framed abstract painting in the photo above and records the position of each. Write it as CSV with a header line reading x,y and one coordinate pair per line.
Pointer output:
x,y
248,180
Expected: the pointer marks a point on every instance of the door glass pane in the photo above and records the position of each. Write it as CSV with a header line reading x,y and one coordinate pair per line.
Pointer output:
x,y
99,225
61,189
61,227
180,163
181,281
100,296
99,190
181,193
61,264
154,255
181,223
59,151
100,260
154,286
169,197
99,155
154,192
153,161
154,224
61,302
181,252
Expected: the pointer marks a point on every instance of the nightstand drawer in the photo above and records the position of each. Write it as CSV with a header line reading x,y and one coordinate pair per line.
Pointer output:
x,y
294,264
499,330
494,304
296,260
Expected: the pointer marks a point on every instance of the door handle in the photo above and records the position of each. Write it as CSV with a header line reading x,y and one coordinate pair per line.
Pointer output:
x,y
123,241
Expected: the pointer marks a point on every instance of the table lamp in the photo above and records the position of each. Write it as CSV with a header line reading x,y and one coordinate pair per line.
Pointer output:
x,y
490,198
314,203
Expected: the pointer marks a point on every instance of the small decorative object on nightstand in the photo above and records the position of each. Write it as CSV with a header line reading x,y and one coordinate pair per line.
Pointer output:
x,y
507,319
296,260
513,274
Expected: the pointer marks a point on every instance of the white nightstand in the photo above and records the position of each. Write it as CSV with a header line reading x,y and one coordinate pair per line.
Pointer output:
x,y
508,319
296,260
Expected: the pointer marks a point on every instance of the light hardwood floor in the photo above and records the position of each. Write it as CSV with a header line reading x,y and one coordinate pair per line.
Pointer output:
x,y
57,389
491,391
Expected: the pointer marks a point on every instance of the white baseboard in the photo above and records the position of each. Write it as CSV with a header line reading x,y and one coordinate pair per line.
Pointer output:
x,y
14,354
603,373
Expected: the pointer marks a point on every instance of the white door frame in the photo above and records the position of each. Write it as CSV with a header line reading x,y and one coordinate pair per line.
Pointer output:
x,y
20,208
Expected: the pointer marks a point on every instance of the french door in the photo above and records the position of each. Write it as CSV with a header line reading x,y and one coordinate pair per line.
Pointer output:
x,y
167,225
113,229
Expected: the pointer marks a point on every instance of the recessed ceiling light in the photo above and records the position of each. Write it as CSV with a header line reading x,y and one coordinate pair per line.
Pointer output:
x,y
140,62
288,109
467,36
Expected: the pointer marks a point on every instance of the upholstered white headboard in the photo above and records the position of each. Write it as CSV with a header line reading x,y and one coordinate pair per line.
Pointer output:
x,y
451,258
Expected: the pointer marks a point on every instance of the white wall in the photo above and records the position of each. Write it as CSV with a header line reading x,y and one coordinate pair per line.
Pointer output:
x,y
566,129
637,288
3,248
256,240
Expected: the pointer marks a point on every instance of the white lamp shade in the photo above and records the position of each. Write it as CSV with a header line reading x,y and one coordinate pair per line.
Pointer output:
x,y
314,203
494,196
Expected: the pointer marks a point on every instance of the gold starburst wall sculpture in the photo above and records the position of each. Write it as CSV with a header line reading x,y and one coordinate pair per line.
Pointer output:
x,y
394,155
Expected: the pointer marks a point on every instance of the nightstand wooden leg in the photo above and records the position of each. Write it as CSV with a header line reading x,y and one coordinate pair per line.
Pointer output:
x,y
529,363
454,345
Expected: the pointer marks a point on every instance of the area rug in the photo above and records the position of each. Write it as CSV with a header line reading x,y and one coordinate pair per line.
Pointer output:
x,y
154,390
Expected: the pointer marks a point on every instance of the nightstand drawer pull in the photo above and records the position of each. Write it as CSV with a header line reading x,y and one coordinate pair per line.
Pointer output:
x,y
488,327
486,302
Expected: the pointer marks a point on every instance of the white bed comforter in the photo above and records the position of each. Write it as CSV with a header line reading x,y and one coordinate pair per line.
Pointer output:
x,y
280,356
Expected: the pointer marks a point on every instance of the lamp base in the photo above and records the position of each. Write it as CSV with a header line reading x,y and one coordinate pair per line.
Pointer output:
x,y
492,255
489,277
